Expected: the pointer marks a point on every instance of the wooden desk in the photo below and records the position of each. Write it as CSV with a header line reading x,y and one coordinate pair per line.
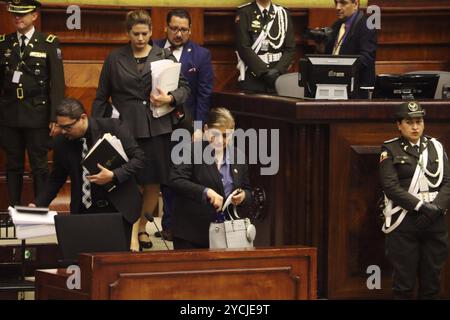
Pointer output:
x,y
288,273
326,190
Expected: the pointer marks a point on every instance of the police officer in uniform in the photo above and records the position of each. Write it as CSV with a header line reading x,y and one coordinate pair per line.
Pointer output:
x,y
31,86
415,177
265,44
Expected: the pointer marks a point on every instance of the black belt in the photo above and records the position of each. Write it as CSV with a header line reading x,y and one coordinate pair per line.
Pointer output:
x,y
21,93
101,203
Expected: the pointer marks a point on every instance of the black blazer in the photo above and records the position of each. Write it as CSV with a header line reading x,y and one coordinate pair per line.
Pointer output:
x,y
42,81
398,163
359,41
67,163
130,90
192,215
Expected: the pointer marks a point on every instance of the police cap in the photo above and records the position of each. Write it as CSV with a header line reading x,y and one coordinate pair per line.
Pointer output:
x,y
23,6
410,109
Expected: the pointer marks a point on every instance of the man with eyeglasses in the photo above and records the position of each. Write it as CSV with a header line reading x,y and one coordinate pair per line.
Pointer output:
x,y
31,86
265,44
88,191
196,67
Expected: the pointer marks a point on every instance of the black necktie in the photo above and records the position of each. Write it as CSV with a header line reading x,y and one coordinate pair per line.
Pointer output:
x,y
417,148
22,46
265,16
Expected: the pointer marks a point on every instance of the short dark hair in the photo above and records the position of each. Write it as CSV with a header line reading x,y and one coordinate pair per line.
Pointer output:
x,y
71,108
137,17
180,13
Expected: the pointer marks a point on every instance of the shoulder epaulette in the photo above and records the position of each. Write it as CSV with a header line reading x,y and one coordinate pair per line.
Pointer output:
x,y
50,38
244,5
392,140
2,37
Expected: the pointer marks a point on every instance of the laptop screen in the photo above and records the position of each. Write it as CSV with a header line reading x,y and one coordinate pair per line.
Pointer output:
x,y
86,233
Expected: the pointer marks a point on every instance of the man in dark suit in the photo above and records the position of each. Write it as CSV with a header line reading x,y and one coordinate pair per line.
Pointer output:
x,y
31,86
265,44
196,67
415,177
351,36
88,192
195,62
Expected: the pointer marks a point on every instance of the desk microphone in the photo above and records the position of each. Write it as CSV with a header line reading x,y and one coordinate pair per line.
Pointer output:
x,y
150,218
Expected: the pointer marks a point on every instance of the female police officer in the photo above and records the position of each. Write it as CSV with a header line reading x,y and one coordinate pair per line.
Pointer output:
x,y
415,178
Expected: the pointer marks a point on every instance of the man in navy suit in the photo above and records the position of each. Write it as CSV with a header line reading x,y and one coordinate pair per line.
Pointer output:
x,y
196,67
351,36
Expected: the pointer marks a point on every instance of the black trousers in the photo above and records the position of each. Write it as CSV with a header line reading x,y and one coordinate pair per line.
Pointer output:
x,y
34,140
417,254
15,141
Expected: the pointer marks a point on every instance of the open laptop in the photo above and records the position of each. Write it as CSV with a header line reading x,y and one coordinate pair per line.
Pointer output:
x,y
86,233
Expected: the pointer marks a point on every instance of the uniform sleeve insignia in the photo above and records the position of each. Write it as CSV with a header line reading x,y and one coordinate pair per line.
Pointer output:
x,y
2,37
50,38
383,156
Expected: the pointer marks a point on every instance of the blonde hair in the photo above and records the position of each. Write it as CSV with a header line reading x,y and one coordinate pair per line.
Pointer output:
x,y
220,117
137,17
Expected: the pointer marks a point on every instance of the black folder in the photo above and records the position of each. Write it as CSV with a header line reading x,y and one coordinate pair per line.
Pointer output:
x,y
105,154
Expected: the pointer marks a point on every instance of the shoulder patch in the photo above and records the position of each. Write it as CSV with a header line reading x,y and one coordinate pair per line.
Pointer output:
x,y
383,156
50,38
2,37
392,140
244,5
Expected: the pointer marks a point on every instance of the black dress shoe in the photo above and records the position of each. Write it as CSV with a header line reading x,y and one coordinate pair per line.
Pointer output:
x,y
144,244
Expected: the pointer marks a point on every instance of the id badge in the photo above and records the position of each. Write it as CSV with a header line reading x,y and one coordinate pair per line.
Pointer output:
x,y
16,76
265,45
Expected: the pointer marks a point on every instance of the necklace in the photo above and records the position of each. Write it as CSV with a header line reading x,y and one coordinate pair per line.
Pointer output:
x,y
141,60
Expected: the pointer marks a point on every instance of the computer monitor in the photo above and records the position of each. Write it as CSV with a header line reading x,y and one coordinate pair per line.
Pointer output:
x,y
330,76
86,233
405,86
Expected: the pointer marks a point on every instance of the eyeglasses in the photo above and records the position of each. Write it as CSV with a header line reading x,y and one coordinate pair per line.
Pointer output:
x,y
67,127
176,30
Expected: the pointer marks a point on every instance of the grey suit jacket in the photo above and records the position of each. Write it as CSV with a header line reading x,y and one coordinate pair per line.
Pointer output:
x,y
130,90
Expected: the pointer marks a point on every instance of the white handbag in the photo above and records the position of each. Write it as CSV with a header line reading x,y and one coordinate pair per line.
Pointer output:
x,y
233,233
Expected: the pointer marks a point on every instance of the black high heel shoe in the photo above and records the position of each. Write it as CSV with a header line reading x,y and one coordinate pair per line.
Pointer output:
x,y
144,244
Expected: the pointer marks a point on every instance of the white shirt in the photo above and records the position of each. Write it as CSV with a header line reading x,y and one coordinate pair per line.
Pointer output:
x,y
261,8
177,52
29,35
415,144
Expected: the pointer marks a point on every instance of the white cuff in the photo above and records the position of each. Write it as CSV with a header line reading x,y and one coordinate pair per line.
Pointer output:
x,y
418,205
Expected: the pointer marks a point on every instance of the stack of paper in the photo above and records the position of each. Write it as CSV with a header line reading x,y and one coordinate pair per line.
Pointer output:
x,y
107,151
165,76
32,222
